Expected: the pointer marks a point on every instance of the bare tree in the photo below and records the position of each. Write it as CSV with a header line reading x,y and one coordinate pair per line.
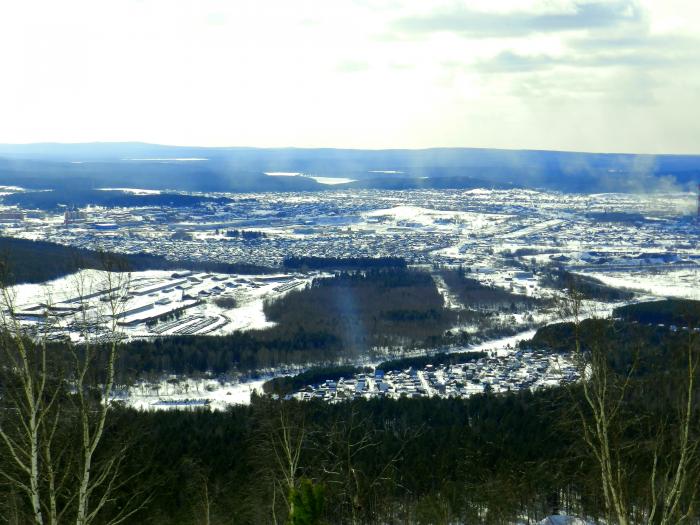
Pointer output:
x,y
604,394
26,405
98,481
670,485
57,402
286,437
349,441
199,491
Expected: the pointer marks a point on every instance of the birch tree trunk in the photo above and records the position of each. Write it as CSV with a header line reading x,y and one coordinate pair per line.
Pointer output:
x,y
64,479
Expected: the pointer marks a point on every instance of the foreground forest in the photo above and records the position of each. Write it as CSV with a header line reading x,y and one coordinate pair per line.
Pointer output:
x,y
492,459
619,447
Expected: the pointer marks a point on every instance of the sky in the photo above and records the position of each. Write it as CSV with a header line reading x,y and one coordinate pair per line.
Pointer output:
x,y
587,75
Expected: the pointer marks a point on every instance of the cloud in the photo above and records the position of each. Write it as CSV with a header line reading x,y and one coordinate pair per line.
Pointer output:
x,y
352,66
606,90
513,62
216,19
565,74
483,24
633,40
510,62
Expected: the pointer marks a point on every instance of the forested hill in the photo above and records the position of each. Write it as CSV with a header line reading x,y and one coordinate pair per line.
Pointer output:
x,y
26,261
490,459
680,312
49,200
243,169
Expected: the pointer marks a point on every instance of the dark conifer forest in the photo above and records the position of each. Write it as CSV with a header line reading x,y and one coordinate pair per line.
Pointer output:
x,y
487,459
25,261
512,457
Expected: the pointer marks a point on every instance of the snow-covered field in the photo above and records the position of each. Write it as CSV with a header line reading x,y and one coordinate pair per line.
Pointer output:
x,y
179,393
682,283
159,302
322,180
406,215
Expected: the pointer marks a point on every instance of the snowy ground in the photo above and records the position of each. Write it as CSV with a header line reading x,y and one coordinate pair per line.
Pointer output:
x,y
209,393
495,233
160,302
179,393
250,293
322,180
499,347
682,283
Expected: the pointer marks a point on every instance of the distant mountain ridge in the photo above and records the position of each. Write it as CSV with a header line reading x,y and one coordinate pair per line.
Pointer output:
x,y
79,198
150,166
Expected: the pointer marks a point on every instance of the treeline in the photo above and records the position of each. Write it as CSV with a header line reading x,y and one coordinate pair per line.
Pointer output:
x,y
588,287
80,198
438,359
484,460
246,235
286,385
27,261
616,216
342,263
679,312
645,349
378,307
489,459
244,352
475,295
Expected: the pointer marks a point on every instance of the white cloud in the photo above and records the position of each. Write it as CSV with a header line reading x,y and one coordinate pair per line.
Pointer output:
x,y
604,76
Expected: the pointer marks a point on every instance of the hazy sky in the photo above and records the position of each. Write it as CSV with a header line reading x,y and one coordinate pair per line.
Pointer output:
x,y
558,74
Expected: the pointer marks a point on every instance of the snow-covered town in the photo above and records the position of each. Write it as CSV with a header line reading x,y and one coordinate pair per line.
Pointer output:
x,y
612,234
646,244
523,369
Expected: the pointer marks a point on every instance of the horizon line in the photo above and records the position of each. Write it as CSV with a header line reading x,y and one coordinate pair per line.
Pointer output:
x,y
336,148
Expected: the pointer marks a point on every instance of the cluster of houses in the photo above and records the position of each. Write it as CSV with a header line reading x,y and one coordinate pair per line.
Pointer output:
x,y
443,226
524,369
